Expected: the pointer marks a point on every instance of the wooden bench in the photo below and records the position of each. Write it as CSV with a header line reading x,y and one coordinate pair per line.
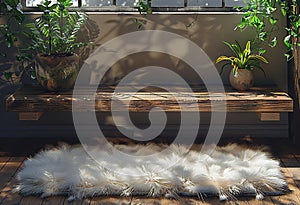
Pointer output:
x,y
31,101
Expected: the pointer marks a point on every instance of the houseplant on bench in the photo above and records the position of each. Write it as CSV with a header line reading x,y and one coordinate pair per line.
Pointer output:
x,y
244,61
54,41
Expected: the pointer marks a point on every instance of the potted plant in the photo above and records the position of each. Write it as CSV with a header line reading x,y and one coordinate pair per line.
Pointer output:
x,y
54,40
262,16
244,61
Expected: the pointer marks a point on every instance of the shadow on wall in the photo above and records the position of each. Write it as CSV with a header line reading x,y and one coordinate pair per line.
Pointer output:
x,y
145,59
114,26
207,31
89,33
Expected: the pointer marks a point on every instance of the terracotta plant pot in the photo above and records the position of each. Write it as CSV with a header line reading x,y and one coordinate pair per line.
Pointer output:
x,y
242,81
56,73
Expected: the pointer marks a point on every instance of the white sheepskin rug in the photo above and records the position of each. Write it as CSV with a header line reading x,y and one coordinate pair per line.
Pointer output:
x,y
227,172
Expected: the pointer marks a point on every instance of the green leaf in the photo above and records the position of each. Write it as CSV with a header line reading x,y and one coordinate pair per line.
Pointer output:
x,y
263,35
224,58
235,48
42,7
274,42
261,51
140,26
287,42
273,20
255,21
258,57
287,56
8,75
235,68
283,11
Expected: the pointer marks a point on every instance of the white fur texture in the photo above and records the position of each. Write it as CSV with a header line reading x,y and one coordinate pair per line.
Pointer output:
x,y
226,172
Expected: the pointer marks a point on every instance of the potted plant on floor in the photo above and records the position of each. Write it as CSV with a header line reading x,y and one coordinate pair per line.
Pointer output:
x,y
244,61
54,41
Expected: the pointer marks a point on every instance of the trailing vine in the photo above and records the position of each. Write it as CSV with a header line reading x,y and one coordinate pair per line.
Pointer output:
x,y
144,8
261,15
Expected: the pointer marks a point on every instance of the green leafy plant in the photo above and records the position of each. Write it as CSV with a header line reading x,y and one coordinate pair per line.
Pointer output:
x,y
12,18
55,31
261,15
12,15
243,59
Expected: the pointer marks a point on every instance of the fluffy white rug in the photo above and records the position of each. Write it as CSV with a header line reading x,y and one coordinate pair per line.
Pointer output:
x,y
227,172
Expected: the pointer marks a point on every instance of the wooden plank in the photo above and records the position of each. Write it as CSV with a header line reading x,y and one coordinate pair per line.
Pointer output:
x,y
269,116
290,198
9,170
256,100
3,161
243,201
164,201
289,161
31,200
109,200
54,200
296,171
77,202
288,166
7,195
266,201
30,115
207,201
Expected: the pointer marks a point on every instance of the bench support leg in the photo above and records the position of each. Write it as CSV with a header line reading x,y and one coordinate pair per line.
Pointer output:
x,y
30,115
264,116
